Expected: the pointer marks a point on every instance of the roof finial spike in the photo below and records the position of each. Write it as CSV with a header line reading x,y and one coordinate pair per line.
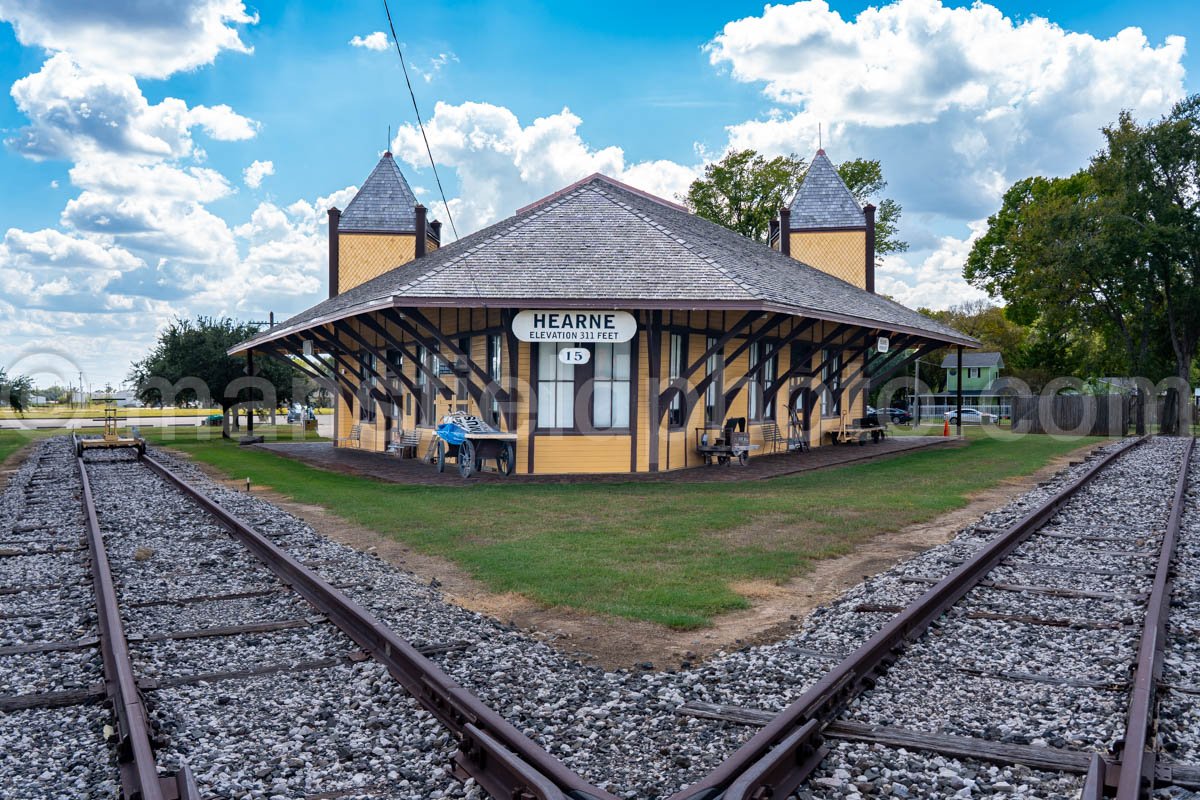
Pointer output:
x,y
820,141
387,150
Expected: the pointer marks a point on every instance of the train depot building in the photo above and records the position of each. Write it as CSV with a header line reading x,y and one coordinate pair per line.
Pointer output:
x,y
610,330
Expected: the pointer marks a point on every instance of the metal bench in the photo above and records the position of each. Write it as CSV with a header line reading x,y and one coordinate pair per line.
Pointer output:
x,y
772,438
355,436
405,444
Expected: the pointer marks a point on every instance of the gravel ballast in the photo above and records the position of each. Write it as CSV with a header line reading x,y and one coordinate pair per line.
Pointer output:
x,y
348,727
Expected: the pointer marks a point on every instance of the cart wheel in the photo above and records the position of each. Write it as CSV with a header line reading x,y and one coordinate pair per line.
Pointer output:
x,y
441,456
466,459
722,460
506,459
743,458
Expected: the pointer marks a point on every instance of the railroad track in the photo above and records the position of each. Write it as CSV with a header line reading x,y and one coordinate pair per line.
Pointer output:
x,y
1073,593
203,623
266,678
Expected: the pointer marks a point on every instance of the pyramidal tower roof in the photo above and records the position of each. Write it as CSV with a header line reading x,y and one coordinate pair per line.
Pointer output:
x,y
384,203
824,201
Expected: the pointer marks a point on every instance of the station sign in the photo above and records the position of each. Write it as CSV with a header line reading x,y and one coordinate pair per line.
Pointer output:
x,y
574,355
574,325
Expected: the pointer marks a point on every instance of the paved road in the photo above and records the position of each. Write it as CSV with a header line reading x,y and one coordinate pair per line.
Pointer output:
x,y
324,423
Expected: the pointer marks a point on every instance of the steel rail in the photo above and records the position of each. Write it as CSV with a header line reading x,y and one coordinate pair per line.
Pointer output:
x,y
1135,752
784,753
505,762
136,761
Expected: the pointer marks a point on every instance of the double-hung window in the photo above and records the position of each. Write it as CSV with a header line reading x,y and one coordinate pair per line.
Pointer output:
x,y
493,370
831,379
424,385
610,398
555,387
674,369
712,395
368,366
762,369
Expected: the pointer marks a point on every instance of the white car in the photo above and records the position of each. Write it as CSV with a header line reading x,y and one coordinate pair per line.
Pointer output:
x,y
971,416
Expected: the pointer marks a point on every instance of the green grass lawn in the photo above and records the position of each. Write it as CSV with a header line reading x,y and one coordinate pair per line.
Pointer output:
x,y
649,551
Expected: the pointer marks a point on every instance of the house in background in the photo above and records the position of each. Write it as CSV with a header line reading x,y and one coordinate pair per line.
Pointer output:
x,y
980,372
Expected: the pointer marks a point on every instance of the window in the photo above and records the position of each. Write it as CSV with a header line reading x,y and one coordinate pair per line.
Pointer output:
x,y
424,389
767,379
610,400
712,395
831,399
555,387
395,365
493,371
763,379
366,381
678,347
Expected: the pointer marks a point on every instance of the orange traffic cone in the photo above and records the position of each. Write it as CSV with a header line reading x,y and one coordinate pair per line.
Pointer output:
x,y
946,428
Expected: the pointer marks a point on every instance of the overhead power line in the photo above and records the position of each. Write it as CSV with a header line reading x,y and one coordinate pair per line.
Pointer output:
x,y
420,122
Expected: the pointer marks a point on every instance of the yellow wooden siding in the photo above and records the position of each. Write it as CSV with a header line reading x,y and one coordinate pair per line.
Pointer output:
x,y
560,455
839,253
363,256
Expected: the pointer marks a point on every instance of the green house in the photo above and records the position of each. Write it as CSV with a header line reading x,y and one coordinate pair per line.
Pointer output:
x,y
980,371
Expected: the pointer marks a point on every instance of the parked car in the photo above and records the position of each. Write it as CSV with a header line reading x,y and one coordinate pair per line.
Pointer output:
x,y
971,416
298,413
899,416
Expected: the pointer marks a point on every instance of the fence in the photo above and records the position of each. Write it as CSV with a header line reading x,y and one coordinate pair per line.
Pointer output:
x,y
936,412
1084,415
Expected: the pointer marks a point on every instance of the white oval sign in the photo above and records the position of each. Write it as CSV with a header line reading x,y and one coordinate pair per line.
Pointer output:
x,y
575,355
568,325
882,345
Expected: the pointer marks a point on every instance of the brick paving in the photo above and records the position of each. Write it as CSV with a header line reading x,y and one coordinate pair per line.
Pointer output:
x,y
414,471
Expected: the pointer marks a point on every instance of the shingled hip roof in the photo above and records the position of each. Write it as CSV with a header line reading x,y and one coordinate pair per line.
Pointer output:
x,y
823,200
384,204
601,244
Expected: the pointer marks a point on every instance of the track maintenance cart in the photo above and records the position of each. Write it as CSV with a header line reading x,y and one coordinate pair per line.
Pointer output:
x,y
111,439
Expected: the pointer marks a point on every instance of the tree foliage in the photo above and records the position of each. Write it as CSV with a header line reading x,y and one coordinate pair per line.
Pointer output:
x,y
191,355
15,391
1105,264
744,192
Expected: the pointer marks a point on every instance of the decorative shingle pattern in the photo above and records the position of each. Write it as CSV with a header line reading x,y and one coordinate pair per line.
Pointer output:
x,y
603,243
823,200
384,203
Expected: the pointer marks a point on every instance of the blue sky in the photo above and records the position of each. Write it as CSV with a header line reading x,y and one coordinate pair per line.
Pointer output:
x,y
128,128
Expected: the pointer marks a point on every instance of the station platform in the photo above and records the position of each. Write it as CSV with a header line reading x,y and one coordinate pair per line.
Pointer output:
x,y
414,471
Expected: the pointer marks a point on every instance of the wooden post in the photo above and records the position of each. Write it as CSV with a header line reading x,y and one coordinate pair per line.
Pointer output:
x,y
958,392
250,404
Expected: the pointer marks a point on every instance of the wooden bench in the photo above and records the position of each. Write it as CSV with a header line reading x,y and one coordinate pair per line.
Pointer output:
x,y
355,436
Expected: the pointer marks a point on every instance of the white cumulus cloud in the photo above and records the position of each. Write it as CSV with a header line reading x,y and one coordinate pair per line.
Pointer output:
x,y
503,165
147,39
75,112
253,175
372,41
957,102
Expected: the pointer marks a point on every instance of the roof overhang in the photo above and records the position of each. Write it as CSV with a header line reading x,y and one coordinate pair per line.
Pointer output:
x,y
284,330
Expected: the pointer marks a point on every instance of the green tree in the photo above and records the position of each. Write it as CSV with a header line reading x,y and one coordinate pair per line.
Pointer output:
x,y
15,391
744,192
1152,172
192,354
1106,262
